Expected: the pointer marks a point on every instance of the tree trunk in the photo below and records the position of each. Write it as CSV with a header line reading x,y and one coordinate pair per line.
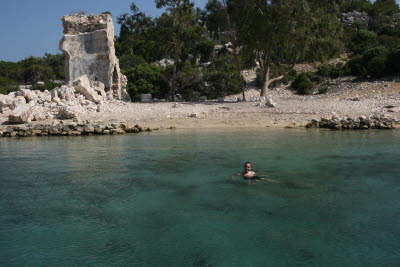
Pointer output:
x,y
173,83
239,74
264,90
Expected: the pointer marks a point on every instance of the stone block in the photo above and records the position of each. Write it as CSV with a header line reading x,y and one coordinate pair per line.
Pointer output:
x,y
21,114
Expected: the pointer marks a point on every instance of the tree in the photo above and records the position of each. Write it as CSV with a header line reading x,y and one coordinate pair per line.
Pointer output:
x,y
178,29
218,19
137,36
355,5
386,7
286,31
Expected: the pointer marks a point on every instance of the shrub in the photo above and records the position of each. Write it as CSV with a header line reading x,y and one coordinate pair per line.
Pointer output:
x,y
375,60
323,89
206,49
356,66
302,84
222,79
394,60
190,82
7,85
146,79
290,77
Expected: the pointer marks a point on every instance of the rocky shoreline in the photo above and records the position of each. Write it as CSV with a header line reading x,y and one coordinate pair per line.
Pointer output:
x,y
70,129
361,123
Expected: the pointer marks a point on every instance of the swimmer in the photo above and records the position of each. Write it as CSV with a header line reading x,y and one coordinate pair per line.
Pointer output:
x,y
247,172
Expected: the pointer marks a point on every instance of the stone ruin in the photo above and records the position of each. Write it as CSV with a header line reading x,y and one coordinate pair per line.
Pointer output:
x,y
88,46
93,76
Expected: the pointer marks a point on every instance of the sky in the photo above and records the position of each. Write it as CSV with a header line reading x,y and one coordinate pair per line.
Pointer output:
x,y
33,27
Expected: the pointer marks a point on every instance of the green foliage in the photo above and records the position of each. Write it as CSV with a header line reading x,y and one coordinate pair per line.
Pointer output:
x,y
332,71
385,7
222,78
358,5
373,62
7,85
303,84
394,60
290,77
205,49
30,71
362,40
190,83
146,79
323,90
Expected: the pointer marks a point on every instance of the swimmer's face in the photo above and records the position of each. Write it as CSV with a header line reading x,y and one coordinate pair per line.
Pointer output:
x,y
247,167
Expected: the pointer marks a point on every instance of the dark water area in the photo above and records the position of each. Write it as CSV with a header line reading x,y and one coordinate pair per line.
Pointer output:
x,y
331,198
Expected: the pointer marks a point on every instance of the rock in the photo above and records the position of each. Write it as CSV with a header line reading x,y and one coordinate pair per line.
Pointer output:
x,y
39,114
355,98
21,114
54,93
270,103
109,95
177,105
82,85
146,98
393,110
193,115
56,100
27,94
67,112
98,108
348,19
88,129
66,92
88,46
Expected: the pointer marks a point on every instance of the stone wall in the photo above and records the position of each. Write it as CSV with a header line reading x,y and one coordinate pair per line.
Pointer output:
x,y
88,46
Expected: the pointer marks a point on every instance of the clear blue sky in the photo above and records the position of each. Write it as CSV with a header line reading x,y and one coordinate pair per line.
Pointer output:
x,y
33,27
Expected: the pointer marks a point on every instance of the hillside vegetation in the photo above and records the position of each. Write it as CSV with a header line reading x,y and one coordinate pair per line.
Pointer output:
x,y
189,52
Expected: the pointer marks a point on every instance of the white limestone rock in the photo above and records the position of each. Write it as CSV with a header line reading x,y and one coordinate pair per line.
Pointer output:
x,y
21,114
270,103
67,112
82,85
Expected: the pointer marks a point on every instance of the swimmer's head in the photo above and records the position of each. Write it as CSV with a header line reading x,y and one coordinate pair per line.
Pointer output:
x,y
247,167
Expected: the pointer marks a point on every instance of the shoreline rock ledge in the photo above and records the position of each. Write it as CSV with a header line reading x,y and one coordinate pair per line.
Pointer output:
x,y
70,129
361,123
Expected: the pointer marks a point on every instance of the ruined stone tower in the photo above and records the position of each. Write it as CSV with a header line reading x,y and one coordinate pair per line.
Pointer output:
x,y
88,46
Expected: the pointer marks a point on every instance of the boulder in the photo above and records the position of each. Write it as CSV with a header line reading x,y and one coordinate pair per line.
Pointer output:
x,y
270,103
67,112
99,88
54,93
82,85
27,94
21,114
146,98
66,92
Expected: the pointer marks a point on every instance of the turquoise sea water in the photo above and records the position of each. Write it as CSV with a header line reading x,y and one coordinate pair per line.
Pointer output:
x,y
167,199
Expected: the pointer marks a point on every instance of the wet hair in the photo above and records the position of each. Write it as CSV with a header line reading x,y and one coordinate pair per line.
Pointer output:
x,y
247,162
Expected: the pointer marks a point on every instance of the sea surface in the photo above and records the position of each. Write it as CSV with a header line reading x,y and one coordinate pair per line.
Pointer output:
x,y
172,198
